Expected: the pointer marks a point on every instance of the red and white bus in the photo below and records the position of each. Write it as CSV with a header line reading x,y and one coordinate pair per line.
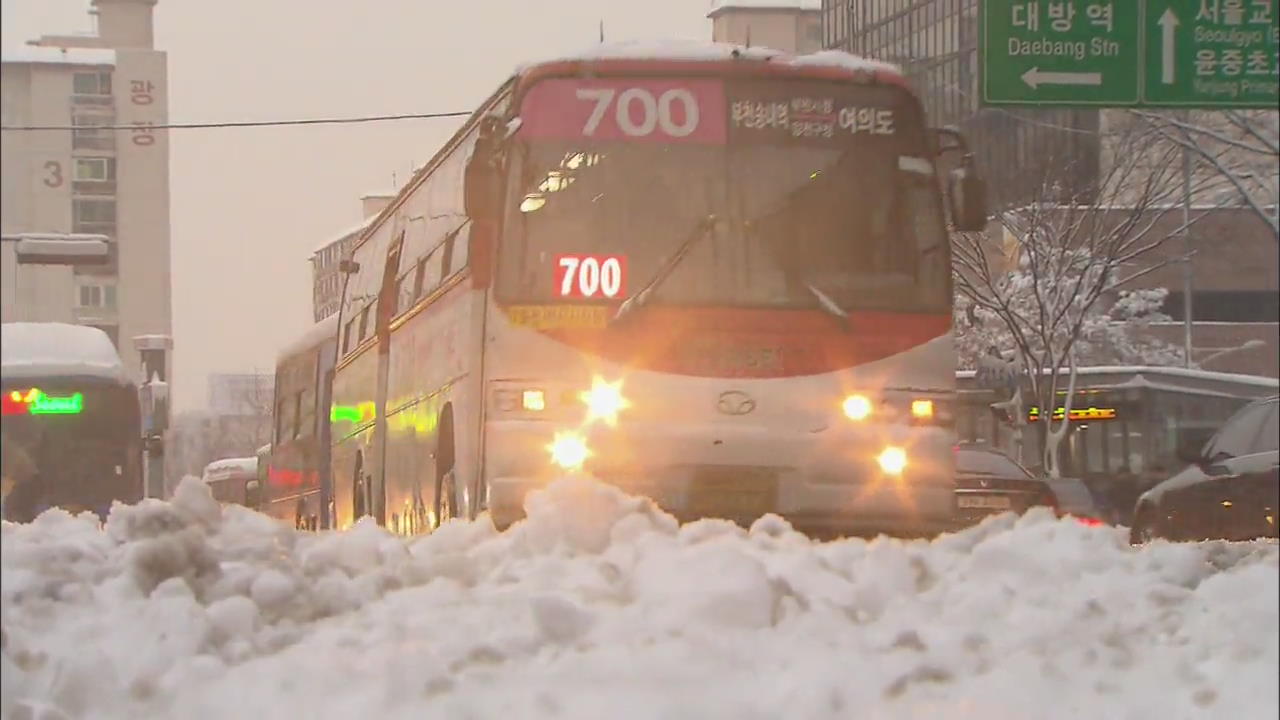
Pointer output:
x,y
712,275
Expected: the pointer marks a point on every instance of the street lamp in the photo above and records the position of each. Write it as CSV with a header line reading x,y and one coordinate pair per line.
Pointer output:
x,y
1252,344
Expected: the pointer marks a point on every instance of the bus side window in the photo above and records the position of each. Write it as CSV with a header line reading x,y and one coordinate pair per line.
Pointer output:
x,y
346,336
297,414
418,275
280,425
364,324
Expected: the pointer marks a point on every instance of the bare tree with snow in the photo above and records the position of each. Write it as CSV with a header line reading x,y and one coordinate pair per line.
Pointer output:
x,y
1066,297
1235,153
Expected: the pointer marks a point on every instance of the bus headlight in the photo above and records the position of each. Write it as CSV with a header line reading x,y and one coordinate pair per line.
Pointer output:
x,y
568,450
857,407
893,460
604,400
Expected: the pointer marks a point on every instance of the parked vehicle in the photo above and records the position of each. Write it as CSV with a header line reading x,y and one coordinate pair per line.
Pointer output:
x,y
989,482
1230,490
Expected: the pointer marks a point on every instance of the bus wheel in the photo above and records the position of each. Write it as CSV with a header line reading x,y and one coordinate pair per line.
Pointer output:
x,y
446,483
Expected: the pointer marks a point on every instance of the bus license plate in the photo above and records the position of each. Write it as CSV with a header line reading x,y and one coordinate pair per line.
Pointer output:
x,y
984,502
733,492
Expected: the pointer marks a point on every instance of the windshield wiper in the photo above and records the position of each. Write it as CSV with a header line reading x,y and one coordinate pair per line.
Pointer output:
x,y
826,303
700,231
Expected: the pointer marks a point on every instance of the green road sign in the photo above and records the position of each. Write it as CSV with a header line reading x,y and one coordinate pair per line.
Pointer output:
x,y
1211,53
1128,53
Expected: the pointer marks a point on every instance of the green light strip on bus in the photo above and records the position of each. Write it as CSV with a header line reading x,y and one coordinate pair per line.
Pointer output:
x,y
44,404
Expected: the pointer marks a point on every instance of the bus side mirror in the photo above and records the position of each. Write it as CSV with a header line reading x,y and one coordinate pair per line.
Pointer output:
x,y
967,195
482,183
252,494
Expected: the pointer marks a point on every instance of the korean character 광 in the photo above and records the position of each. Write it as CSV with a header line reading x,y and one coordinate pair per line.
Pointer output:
x,y
1206,62
1208,10
1026,15
1100,14
1231,62
1061,14
1232,12
1261,12
1258,63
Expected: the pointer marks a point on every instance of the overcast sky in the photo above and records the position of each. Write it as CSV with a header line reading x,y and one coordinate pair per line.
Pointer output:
x,y
248,205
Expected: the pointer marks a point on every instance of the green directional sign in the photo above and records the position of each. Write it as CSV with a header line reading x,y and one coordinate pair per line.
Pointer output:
x,y
1211,53
1128,53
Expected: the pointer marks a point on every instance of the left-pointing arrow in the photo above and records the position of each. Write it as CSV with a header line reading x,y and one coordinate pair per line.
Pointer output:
x,y
1034,78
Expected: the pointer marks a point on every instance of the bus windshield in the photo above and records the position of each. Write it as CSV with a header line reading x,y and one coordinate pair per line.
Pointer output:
x,y
813,186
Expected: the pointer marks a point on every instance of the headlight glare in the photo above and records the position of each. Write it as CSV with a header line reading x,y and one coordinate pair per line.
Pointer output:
x,y
569,450
857,407
604,401
893,460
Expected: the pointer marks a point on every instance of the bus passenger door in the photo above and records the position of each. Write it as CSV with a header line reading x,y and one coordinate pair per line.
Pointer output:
x,y
387,299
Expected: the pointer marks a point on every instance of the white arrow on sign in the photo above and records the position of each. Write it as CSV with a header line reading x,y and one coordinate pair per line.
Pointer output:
x,y
1035,78
1168,21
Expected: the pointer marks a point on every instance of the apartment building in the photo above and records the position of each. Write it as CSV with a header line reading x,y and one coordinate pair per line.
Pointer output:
x,y
789,25
92,179
326,281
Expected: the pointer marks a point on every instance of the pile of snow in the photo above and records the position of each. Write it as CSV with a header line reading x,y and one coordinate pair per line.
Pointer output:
x,y
600,606
37,350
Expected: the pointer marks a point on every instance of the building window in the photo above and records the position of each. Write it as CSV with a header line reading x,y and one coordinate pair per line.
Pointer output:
x,y
1242,306
92,210
95,169
91,83
97,296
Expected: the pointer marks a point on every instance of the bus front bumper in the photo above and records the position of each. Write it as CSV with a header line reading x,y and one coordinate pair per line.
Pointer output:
x,y
830,482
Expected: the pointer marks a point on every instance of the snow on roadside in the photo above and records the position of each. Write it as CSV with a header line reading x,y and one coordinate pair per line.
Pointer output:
x,y
599,605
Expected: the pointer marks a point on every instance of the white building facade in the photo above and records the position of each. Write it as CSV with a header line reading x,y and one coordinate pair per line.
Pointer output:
x,y
91,179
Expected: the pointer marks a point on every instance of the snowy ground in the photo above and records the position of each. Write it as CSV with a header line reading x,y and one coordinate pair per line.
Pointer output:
x,y
600,607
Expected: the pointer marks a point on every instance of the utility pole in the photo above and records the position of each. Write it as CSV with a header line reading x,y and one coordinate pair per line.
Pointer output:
x,y
1187,305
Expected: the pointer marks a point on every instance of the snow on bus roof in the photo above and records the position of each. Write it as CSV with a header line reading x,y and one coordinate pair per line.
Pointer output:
x,y
31,350
315,335
702,51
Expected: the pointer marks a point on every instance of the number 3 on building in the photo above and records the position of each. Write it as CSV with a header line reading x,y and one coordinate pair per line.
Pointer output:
x,y
53,174
590,276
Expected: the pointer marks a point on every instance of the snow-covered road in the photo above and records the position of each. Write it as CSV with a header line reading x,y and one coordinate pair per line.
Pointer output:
x,y
598,606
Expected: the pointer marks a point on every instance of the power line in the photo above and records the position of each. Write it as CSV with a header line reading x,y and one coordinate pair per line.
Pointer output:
x,y
245,123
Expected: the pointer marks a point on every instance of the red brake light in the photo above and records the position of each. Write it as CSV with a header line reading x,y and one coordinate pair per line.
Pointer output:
x,y
1088,521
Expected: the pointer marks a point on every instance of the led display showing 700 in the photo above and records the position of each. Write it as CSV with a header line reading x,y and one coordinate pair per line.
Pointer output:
x,y
591,276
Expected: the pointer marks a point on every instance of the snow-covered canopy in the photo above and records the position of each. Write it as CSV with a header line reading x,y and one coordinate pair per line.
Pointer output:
x,y
35,350
600,606
33,54
230,467
326,329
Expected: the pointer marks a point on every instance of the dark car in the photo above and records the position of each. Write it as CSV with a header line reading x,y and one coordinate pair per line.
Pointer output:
x,y
1231,489
988,482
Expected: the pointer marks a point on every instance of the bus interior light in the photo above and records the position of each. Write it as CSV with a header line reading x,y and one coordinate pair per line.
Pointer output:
x,y
857,407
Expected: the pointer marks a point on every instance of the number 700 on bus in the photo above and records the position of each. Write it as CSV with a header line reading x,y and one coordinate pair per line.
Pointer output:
x,y
591,276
